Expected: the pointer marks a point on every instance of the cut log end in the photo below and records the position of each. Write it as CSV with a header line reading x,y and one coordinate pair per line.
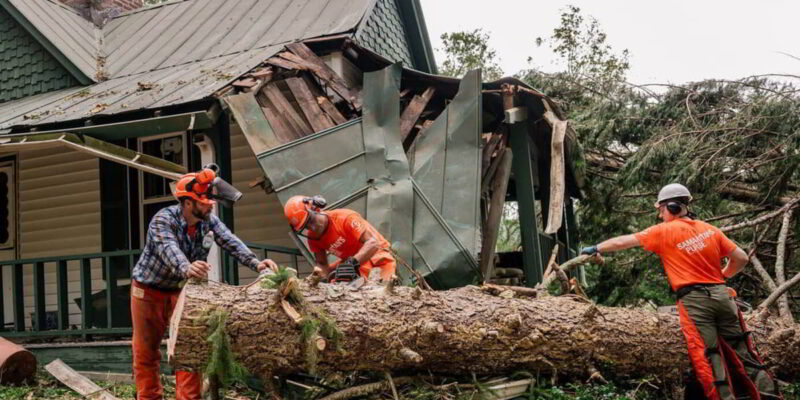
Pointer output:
x,y
410,355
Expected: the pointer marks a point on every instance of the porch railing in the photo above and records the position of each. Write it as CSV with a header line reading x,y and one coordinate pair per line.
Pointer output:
x,y
103,312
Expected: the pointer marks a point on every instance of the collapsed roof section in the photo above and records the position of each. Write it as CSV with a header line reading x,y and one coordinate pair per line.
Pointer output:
x,y
416,154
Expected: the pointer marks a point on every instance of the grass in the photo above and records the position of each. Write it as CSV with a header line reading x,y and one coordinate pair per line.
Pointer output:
x,y
47,388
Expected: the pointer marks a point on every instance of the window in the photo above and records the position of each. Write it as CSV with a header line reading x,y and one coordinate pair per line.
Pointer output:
x,y
7,206
154,191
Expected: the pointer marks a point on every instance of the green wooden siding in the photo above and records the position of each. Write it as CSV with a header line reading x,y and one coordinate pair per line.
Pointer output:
x,y
385,34
26,68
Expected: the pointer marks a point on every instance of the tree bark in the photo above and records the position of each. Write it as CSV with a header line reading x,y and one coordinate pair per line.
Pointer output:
x,y
780,260
480,333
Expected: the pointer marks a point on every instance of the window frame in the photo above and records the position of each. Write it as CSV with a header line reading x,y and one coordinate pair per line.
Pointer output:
x,y
10,163
140,177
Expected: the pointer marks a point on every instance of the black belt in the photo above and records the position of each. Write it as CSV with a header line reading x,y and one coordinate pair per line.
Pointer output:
x,y
697,286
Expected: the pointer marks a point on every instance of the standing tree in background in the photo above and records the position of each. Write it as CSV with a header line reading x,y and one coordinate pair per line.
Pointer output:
x,y
469,50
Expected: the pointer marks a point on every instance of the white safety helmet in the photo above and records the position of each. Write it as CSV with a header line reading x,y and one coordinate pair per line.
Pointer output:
x,y
671,191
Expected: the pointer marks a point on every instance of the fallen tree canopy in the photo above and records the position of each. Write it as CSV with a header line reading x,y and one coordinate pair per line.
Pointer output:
x,y
459,331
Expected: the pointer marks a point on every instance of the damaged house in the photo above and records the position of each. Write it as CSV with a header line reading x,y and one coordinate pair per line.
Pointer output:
x,y
101,107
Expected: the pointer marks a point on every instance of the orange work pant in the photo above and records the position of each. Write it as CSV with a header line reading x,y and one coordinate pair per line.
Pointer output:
x,y
383,260
151,310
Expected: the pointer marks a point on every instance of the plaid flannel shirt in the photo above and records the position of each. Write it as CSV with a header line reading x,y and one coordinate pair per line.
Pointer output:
x,y
169,250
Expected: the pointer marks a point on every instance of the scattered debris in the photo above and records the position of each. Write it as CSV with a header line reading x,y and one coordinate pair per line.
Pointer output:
x,y
17,365
98,108
142,86
77,382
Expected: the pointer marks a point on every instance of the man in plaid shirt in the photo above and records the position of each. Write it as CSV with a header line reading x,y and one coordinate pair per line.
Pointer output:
x,y
175,251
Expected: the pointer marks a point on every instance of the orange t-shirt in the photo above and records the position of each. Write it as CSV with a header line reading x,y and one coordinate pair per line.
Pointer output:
x,y
690,250
342,237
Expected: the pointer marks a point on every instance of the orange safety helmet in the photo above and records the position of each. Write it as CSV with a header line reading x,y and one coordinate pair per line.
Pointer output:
x,y
298,210
195,185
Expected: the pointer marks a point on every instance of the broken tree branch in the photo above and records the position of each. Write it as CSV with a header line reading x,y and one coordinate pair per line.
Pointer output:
x,y
763,274
780,291
780,276
762,218
363,390
567,266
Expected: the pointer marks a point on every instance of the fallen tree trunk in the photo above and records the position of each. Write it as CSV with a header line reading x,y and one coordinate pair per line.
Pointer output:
x,y
458,331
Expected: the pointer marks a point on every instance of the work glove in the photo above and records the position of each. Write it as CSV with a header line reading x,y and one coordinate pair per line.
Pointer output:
x,y
591,250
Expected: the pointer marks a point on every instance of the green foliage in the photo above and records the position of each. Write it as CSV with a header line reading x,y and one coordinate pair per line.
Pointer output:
x,y
469,50
317,323
587,58
274,281
47,387
221,363
509,237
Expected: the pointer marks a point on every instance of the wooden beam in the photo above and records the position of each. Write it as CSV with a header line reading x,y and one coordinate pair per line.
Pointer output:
x,y
488,150
283,131
283,106
324,72
285,64
557,177
499,189
324,102
413,110
308,104
77,382
486,177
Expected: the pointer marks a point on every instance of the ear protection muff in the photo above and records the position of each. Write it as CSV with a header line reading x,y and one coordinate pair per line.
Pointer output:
x,y
317,202
674,207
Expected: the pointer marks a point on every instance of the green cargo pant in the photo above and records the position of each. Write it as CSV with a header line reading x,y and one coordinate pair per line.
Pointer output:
x,y
708,313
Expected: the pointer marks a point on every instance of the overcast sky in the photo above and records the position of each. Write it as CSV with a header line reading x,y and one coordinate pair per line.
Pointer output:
x,y
669,41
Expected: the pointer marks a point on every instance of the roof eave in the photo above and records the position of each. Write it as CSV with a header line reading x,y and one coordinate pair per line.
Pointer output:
x,y
76,72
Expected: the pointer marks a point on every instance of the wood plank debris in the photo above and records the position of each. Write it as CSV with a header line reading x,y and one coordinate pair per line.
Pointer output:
x,y
278,100
324,72
245,83
411,114
285,64
77,382
308,104
283,130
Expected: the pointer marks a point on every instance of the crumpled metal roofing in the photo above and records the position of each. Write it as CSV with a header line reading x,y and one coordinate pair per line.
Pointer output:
x,y
185,50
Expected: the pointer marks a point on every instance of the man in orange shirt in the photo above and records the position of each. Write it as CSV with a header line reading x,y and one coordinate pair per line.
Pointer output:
x,y
692,252
343,233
